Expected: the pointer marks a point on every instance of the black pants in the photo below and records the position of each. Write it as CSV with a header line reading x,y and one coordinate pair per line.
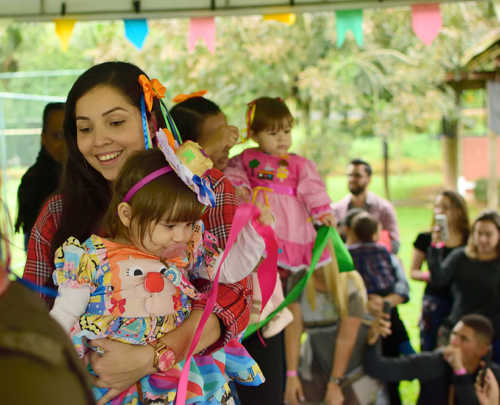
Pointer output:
x,y
271,362
390,348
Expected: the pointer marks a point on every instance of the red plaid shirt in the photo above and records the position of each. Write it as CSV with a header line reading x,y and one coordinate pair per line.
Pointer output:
x,y
233,300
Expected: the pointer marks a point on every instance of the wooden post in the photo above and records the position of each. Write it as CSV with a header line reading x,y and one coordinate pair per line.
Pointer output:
x,y
493,97
449,150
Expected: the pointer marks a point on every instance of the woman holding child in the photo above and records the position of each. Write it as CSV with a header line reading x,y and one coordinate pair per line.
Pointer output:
x,y
103,127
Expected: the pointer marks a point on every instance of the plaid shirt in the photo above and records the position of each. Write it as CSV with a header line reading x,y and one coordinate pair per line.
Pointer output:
x,y
233,300
374,264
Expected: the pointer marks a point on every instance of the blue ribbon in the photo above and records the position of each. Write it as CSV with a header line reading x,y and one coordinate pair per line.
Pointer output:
x,y
204,190
51,292
144,123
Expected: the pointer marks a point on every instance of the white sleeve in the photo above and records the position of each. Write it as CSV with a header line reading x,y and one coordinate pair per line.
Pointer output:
x,y
242,259
69,305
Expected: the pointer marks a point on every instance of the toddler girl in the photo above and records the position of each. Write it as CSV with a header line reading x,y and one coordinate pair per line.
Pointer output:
x,y
289,184
136,285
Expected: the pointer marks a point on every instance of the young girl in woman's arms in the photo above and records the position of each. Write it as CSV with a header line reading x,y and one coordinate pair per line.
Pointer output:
x,y
136,285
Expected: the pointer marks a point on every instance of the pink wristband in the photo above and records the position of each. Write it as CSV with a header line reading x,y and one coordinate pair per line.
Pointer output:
x,y
425,276
291,373
438,245
461,371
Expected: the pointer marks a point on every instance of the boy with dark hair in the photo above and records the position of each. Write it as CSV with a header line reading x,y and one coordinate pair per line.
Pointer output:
x,y
385,282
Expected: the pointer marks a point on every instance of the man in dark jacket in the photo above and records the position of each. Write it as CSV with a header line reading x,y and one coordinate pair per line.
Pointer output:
x,y
448,374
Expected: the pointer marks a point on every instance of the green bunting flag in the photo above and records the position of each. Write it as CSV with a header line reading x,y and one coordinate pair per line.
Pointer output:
x,y
344,261
349,20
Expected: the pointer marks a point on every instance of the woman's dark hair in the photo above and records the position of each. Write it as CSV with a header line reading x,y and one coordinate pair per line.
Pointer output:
x,y
486,216
39,181
166,194
459,204
86,193
190,114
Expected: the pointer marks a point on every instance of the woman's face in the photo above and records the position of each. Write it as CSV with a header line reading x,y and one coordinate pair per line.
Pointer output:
x,y
210,127
108,128
442,205
486,236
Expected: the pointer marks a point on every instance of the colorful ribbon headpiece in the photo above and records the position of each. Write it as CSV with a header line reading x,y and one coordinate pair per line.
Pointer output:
x,y
179,98
151,89
190,163
187,159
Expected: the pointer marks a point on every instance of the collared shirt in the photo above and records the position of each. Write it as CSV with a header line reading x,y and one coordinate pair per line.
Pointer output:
x,y
233,300
379,208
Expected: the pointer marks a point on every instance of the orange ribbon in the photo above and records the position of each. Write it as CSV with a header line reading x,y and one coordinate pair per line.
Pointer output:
x,y
152,89
179,98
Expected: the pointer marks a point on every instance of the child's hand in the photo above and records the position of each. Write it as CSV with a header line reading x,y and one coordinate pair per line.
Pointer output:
x,y
266,216
328,220
243,193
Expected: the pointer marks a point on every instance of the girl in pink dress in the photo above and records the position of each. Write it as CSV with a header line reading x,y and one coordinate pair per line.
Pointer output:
x,y
290,184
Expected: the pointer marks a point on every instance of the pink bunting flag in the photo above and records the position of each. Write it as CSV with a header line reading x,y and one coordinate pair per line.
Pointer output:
x,y
202,28
426,21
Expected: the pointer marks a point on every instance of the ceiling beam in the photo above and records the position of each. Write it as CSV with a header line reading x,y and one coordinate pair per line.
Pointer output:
x,y
220,11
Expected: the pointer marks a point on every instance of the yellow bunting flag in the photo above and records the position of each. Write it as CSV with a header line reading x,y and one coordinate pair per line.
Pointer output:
x,y
283,18
64,29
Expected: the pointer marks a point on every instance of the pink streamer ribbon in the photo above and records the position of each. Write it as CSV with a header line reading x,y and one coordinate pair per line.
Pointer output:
x,y
244,214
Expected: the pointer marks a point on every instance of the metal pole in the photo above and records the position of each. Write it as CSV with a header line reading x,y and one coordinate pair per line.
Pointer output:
x,y
3,153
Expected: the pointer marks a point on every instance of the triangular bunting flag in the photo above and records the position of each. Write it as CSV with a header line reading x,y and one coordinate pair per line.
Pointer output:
x,y
426,21
288,19
202,28
136,31
64,29
349,20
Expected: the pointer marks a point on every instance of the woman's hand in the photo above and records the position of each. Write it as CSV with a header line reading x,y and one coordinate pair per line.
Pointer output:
x,y
381,326
223,139
328,220
489,393
266,216
334,394
293,391
121,366
436,234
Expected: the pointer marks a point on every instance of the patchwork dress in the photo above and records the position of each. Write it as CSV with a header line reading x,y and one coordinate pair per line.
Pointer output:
x,y
136,298
291,186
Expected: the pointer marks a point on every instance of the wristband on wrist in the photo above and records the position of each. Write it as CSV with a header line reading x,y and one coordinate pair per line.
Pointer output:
x,y
438,245
291,373
460,371
164,357
336,380
425,276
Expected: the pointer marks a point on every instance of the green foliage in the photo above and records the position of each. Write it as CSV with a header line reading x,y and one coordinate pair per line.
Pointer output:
x,y
388,88
481,190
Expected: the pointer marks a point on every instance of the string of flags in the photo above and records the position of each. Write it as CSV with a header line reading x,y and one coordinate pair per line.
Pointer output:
x,y
426,23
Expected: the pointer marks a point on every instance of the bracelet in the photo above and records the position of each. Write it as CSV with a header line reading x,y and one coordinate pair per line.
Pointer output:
x,y
336,380
438,245
164,357
461,371
291,373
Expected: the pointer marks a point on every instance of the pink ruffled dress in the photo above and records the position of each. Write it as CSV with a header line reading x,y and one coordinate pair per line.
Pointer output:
x,y
292,187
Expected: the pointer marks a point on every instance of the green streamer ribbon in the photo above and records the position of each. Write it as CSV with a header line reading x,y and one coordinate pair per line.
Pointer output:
x,y
344,261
